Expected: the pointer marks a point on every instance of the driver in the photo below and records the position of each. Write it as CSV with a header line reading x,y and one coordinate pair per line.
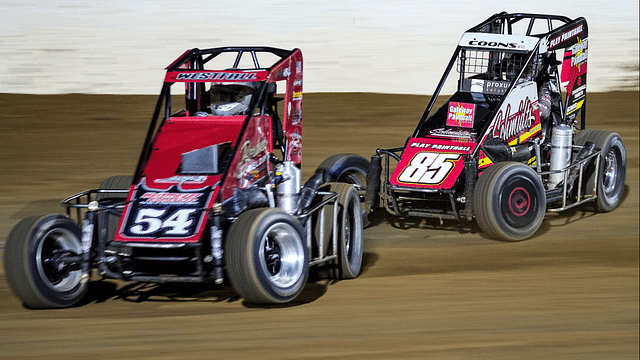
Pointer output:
x,y
231,98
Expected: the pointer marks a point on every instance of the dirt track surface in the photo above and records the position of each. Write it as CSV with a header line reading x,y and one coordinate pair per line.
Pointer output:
x,y
427,291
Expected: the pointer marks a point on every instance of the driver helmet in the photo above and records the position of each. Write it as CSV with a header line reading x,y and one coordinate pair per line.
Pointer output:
x,y
514,65
231,98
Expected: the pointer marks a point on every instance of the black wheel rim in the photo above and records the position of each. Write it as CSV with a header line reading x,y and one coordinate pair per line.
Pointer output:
x,y
53,272
519,203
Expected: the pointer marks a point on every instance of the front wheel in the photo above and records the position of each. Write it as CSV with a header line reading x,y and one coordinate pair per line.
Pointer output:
x,y
267,256
35,263
509,201
612,169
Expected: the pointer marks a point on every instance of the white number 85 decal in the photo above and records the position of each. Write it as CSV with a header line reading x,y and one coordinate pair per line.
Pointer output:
x,y
149,221
428,168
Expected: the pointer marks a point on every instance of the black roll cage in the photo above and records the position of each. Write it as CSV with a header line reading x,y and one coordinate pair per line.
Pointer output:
x,y
502,23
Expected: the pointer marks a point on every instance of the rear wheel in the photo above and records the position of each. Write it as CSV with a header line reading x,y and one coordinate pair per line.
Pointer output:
x,y
349,228
267,257
612,170
35,266
347,168
118,182
509,201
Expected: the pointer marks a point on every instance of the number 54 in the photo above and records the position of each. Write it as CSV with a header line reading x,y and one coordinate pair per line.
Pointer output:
x,y
149,221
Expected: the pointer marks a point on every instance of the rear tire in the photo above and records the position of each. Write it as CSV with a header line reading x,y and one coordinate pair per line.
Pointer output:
x,y
510,201
612,170
267,256
347,168
118,182
350,233
31,262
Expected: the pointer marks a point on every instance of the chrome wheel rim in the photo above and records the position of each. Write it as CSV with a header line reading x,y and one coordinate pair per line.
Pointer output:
x,y
281,255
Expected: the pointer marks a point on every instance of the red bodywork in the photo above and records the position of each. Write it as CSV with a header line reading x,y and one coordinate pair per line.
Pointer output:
x,y
167,205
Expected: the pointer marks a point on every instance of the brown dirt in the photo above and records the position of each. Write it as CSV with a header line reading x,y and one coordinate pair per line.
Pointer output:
x,y
427,290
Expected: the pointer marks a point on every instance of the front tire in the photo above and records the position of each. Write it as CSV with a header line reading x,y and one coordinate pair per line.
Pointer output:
x,y
267,256
32,262
510,201
612,171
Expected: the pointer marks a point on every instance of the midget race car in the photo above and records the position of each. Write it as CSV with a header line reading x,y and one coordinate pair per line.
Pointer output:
x,y
510,143
216,195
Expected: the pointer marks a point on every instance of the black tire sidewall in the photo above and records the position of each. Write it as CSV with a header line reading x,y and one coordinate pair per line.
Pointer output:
x,y
609,201
351,262
500,181
344,168
270,218
242,254
604,140
36,293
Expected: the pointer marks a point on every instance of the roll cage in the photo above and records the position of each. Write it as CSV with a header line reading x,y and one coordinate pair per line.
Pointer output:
x,y
529,41
241,65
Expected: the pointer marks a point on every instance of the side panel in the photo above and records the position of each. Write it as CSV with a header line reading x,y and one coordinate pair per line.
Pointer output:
x,y
290,70
518,119
251,161
574,39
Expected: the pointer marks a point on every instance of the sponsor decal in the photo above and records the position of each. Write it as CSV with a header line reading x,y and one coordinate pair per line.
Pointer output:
x,y
508,124
462,135
170,198
297,95
182,179
496,87
210,76
579,53
447,147
296,117
486,86
428,168
565,36
431,163
284,73
477,85
496,44
461,114
247,162
295,143
170,214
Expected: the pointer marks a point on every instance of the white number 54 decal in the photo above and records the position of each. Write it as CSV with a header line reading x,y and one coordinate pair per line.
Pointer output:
x,y
149,221
428,168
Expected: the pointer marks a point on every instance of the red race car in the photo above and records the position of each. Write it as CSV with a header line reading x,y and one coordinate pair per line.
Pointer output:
x,y
210,200
511,143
